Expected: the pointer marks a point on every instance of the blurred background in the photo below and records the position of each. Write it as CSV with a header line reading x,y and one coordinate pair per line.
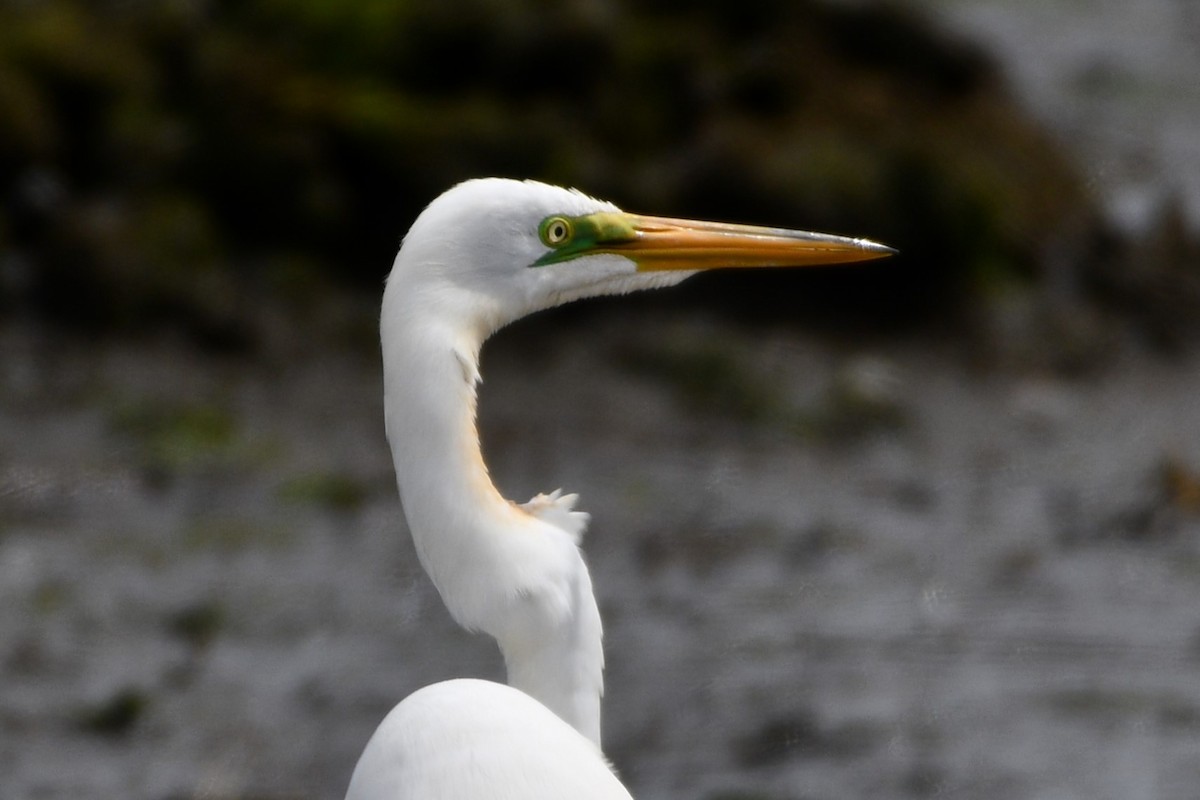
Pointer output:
x,y
922,527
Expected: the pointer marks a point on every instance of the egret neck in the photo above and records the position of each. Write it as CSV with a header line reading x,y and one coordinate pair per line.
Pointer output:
x,y
512,571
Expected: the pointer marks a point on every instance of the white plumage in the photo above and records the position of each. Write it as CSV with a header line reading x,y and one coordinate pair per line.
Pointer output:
x,y
482,255
513,572
477,739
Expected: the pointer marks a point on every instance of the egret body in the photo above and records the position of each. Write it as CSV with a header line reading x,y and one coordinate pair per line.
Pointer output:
x,y
469,738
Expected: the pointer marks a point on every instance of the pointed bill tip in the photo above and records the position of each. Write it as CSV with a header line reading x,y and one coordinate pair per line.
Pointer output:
x,y
665,244
881,250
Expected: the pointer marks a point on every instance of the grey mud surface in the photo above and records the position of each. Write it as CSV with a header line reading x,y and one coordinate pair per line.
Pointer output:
x,y
856,573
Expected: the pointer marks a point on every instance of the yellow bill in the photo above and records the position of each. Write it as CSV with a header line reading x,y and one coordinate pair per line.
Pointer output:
x,y
660,243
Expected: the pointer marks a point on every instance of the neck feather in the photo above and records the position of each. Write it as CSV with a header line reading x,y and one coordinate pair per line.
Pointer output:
x,y
498,567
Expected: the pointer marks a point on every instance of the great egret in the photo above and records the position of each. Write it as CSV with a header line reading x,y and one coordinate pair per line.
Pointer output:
x,y
480,256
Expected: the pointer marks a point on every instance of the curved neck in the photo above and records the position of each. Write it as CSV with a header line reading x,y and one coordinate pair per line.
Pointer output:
x,y
498,568
430,376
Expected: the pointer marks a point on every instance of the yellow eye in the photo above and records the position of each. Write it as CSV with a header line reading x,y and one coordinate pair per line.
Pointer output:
x,y
556,231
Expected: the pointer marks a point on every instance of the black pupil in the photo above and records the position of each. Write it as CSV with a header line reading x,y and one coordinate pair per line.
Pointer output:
x,y
558,232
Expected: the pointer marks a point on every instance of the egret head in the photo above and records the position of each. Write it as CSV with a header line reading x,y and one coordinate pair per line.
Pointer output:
x,y
500,249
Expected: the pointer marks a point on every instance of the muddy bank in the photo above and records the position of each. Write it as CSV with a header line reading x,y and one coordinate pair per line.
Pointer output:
x,y
850,572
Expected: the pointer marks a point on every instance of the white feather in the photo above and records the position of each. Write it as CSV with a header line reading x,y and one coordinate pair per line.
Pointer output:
x,y
465,739
514,572
469,265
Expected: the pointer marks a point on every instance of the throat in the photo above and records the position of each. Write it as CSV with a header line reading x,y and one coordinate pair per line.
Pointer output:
x,y
502,569
430,408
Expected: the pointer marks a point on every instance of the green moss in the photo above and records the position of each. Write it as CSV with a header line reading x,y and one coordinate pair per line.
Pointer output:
x,y
329,490
721,377
1096,704
708,377
173,437
116,715
803,735
234,534
198,625
846,412
51,596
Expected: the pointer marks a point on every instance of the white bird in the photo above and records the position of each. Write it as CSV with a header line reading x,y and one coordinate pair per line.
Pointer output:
x,y
483,254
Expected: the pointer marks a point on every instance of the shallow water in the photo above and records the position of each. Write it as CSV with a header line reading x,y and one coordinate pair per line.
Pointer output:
x,y
990,593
